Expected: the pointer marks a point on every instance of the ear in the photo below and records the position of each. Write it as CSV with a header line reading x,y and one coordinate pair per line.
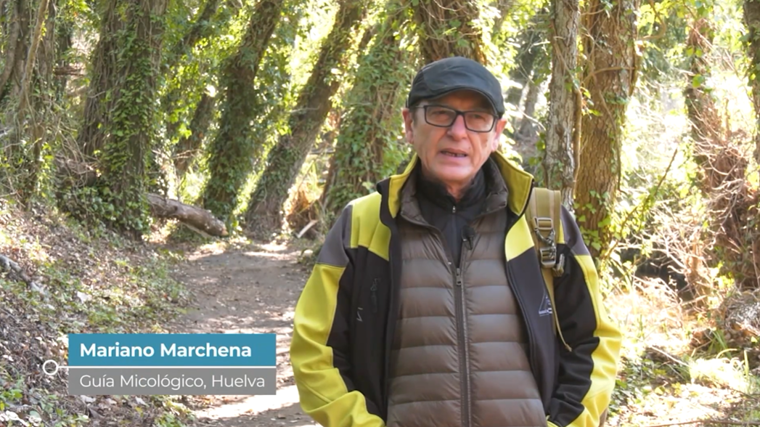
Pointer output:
x,y
408,125
499,128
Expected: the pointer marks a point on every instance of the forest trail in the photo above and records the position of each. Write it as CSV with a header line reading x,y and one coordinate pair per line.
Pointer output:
x,y
247,290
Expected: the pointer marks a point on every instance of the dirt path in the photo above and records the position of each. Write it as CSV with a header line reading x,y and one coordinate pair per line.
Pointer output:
x,y
249,291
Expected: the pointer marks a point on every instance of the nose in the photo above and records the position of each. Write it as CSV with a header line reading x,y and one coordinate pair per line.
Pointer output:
x,y
457,130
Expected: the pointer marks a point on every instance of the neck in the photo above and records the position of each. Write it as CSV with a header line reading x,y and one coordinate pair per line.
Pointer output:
x,y
456,190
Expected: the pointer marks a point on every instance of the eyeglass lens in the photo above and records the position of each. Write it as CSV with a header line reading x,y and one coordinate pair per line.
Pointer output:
x,y
477,121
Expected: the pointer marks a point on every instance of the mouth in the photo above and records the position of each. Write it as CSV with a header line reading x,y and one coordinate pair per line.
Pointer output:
x,y
453,153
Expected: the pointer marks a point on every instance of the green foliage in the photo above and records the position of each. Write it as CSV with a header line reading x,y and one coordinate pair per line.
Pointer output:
x,y
370,145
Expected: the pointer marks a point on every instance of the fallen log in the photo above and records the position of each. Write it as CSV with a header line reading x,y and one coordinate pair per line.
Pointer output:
x,y
81,174
193,216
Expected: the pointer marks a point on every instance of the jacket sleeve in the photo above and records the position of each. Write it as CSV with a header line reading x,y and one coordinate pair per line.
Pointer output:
x,y
587,373
320,348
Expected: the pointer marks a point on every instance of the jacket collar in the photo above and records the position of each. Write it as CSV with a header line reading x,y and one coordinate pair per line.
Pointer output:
x,y
518,182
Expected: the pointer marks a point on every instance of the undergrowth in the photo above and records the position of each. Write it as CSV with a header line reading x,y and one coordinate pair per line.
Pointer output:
x,y
666,377
83,279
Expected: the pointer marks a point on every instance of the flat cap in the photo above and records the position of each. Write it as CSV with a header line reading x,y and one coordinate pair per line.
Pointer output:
x,y
456,73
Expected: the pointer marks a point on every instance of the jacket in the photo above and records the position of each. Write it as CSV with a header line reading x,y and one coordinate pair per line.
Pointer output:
x,y
345,317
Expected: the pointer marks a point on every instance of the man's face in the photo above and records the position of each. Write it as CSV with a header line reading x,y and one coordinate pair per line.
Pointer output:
x,y
452,155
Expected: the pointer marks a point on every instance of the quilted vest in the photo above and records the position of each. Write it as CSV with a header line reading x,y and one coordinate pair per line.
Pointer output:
x,y
459,356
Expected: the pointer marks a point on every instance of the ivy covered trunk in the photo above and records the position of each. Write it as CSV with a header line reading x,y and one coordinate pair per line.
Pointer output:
x,y
752,22
19,20
187,148
706,123
100,97
564,102
120,119
25,72
609,74
200,29
448,28
314,102
230,153
368,129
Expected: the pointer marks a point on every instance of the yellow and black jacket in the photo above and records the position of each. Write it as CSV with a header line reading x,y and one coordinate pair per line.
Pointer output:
x,y
346,315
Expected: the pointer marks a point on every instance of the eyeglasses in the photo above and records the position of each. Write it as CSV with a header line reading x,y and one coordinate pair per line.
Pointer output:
x,y
443,117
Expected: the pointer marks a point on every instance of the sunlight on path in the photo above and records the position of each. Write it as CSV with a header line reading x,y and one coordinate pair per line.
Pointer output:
x,y
250,406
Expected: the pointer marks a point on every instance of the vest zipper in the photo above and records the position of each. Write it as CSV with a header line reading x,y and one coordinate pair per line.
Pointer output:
x,y
463,339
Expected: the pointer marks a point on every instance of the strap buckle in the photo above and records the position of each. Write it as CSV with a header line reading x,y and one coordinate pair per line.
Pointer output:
x,y
544,229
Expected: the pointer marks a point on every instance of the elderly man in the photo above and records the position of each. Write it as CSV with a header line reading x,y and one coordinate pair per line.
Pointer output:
x,y
427,306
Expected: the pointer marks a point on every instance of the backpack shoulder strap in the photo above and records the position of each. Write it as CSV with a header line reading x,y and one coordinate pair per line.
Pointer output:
x,y
543,215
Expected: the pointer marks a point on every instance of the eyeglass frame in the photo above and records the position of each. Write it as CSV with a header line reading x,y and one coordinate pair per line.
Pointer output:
x,y
457,114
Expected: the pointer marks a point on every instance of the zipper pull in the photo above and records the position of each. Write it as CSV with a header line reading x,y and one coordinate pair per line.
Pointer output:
x,y
459,277
467,235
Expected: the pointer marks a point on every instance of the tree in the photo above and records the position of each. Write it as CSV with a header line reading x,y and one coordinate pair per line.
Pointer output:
x,y
188,146
314,101
528,53
230,152
16,49
564,104
23,67
200,29
609,74
370,124
732,203
120,114
752,22
447,28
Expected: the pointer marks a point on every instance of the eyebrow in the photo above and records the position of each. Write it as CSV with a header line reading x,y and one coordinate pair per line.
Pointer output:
x,y
479,108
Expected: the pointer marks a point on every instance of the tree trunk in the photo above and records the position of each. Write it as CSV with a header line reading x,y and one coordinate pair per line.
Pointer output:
x,y
733,235
368,129
14,45
564,103
529,51
610,76
31,57
101,94
503,6
13,71
195,217
64,40
187,147
706,124
446,29
752,22
286,158
200,29
526,136
230,153
34,104
126,135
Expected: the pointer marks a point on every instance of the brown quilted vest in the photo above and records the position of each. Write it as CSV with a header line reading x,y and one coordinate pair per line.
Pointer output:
x,y
459,354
